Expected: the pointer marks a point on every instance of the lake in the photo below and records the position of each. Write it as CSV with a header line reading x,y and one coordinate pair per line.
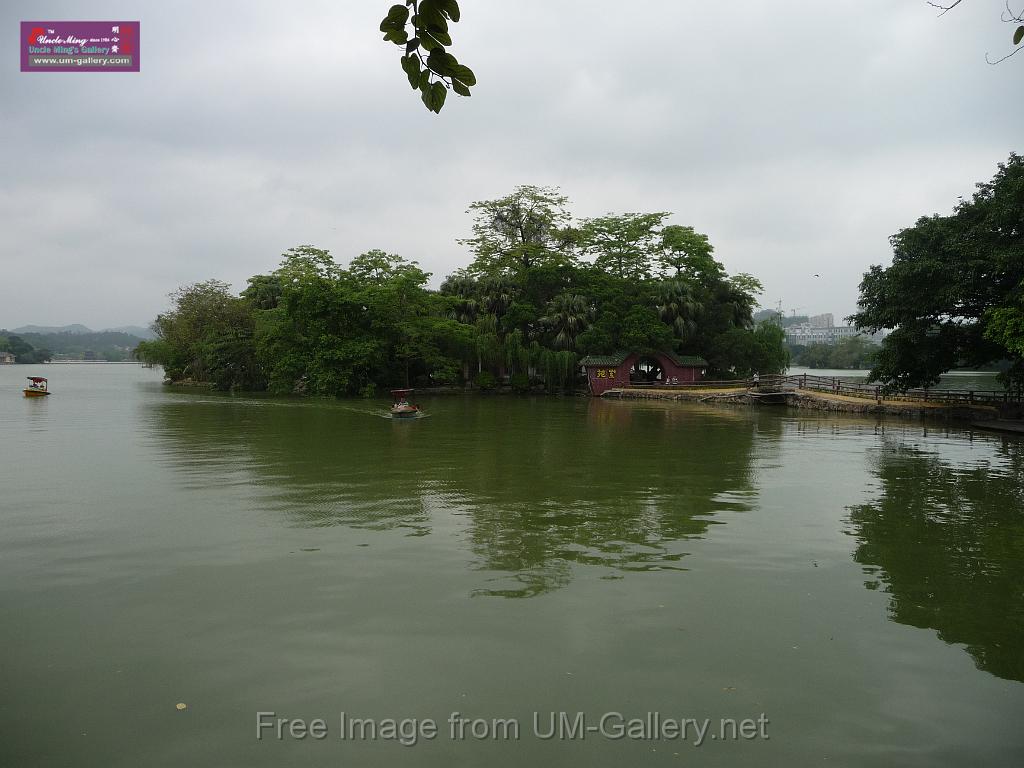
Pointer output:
x,y
853,586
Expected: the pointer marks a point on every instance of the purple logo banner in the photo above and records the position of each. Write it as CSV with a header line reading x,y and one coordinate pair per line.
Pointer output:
x,y
79,46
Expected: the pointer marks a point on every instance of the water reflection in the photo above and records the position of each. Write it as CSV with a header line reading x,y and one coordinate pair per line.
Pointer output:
x,y
319,464
625,490
530,489
945,539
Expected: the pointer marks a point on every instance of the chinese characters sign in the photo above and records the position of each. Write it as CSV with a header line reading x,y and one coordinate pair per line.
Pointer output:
x,y
79,46
603,373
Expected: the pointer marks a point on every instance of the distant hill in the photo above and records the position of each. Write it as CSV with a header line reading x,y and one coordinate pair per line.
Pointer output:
x,y
76,345
76,328
132,330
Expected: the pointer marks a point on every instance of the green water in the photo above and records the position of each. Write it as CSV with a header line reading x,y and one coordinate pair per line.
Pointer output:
x,y
859,583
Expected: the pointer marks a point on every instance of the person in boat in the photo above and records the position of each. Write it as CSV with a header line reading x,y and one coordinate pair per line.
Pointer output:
x,y
756,380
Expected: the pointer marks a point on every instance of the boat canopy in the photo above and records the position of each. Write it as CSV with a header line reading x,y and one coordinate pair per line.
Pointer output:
x,y
36,379
400,392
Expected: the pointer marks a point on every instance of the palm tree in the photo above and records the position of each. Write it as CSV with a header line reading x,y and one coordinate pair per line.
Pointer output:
x,y
679,306
568,316
497,294
465,290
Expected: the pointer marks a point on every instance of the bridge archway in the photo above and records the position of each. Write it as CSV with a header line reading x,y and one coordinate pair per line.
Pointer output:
x,y
647,370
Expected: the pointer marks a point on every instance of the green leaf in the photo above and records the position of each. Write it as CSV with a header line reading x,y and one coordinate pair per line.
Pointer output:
x,y
440,36
424,82
411,67
427,41
463,74
450,7
399,13
1018,35
440,61
460,88
429,16
434,97
412,45
397,16
397,36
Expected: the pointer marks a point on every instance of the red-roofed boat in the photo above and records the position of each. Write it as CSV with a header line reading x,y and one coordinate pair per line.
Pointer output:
x,y
402,408
37,387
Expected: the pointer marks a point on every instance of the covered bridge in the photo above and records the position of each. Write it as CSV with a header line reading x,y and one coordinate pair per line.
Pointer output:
x,y
647,369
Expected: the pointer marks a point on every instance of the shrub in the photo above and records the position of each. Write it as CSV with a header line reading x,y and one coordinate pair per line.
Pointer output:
x,y
485,381
520,383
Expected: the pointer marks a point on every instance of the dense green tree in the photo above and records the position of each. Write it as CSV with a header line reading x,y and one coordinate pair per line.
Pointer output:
x,y
464,291
855,353
263,291
953,294
24,352
622,244
685,251
523,311
207,336
380,268
743,353
770,353
643,331
497,294
520,231
349,331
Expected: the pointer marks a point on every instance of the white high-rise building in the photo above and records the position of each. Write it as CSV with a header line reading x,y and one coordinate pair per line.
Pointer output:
x,y
808,333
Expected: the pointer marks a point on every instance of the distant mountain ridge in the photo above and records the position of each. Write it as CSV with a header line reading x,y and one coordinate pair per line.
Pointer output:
x,y
132,330
76,328
79,329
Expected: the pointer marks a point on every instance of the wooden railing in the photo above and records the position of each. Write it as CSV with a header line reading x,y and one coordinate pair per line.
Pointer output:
x,y
837,386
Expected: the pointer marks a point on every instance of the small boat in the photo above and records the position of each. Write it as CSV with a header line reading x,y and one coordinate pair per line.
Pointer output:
x,y
402,408
36,388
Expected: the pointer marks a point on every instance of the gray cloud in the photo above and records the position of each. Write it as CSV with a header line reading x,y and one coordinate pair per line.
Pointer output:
x,y
799,140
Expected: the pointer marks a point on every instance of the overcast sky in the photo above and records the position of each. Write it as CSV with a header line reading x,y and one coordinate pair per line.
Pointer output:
x,y
798,135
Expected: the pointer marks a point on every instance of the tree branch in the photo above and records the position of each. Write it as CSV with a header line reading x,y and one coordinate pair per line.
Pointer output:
x,y
1004,58
945,8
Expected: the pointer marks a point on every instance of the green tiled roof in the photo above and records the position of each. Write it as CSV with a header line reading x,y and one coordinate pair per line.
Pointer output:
x,y
689,360
619,357
602,360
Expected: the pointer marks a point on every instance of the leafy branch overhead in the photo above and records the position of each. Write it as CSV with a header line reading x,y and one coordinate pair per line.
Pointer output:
x,y
423,33
1008,16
